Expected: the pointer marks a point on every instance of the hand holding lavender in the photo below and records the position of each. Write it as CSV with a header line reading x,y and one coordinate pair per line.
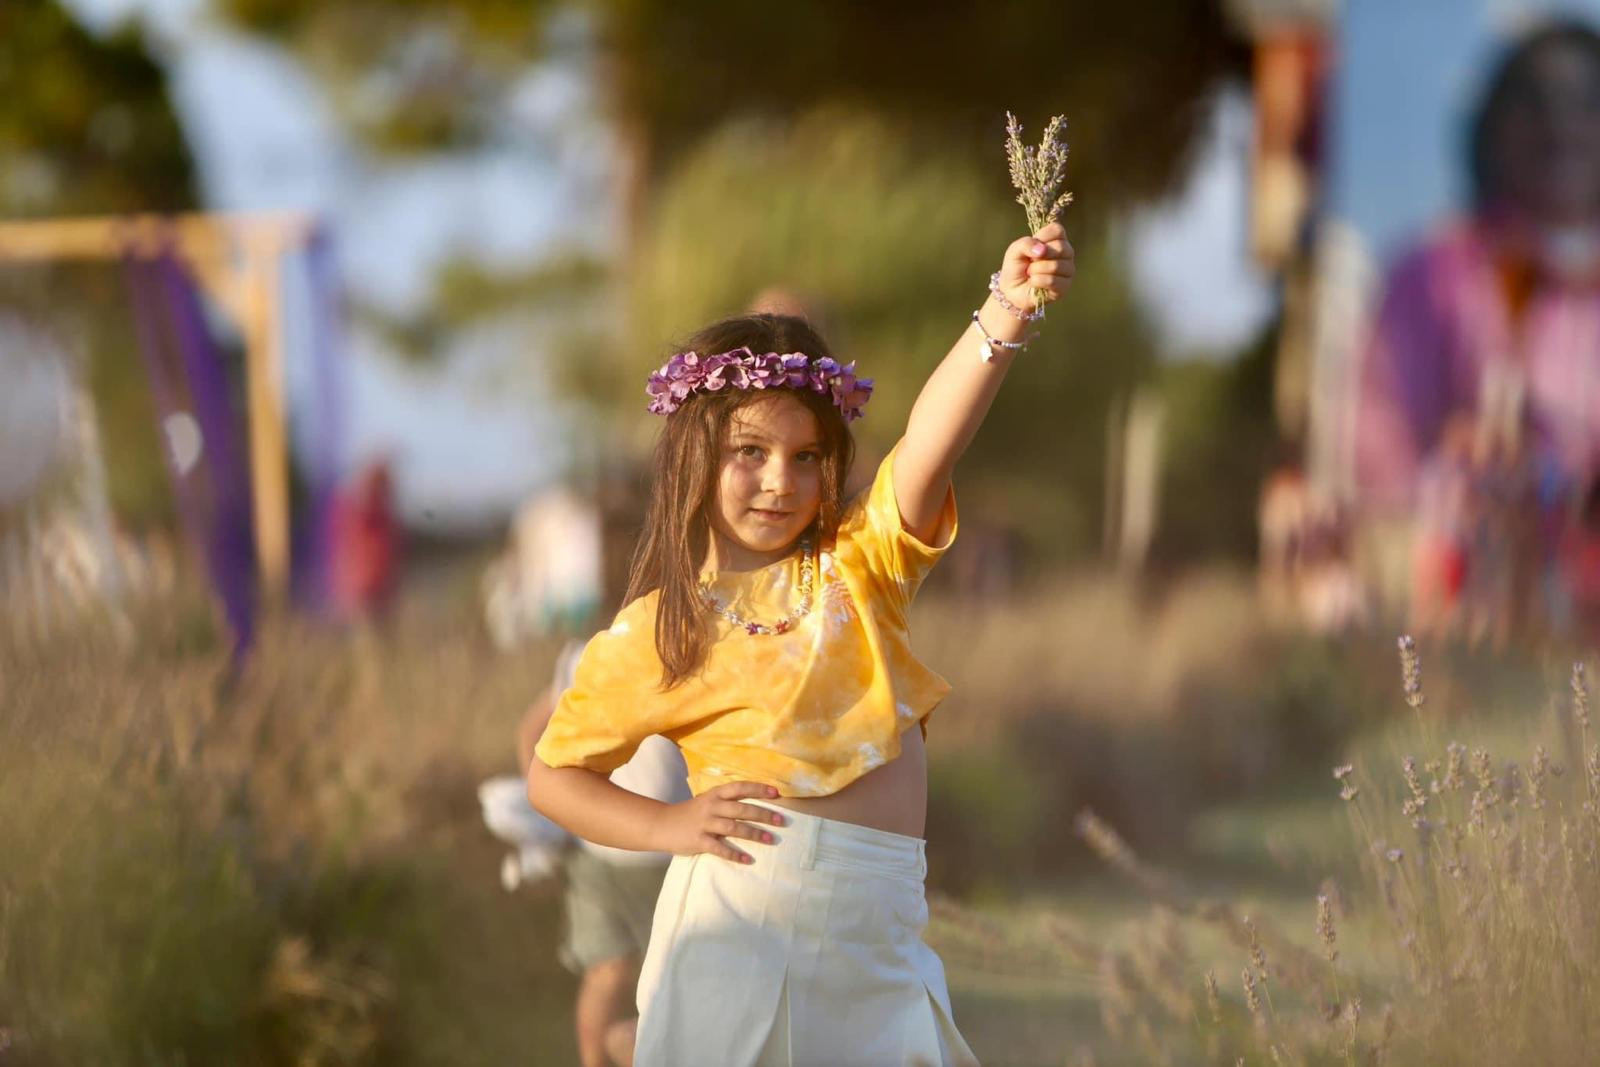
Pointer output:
x,y
1038,175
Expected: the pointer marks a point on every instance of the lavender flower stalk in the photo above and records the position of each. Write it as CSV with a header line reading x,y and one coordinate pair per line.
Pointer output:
x,y
1038,175
1411,672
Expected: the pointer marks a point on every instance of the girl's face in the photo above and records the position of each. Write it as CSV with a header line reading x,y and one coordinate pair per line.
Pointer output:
x,y
769,482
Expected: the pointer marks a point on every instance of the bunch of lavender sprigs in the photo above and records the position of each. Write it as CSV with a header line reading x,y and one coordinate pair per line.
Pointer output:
x,y
1038,175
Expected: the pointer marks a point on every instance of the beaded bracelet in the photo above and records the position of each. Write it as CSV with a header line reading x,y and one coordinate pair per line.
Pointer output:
x,y
1026,316
991,343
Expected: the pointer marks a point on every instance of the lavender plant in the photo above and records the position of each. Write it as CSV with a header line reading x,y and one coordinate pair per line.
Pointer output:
x,y
1490,904
1038,174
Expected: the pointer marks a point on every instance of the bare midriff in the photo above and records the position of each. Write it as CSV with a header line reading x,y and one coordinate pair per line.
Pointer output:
x,y
893,797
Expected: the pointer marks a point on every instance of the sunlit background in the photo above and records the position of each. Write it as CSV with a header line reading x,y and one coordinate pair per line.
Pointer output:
x,y
324,329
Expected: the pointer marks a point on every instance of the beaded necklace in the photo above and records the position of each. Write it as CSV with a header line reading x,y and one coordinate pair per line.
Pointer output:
x,y
783,625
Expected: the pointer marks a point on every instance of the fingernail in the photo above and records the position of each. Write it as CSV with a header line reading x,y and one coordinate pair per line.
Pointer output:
x,y
1036,250
748,859
771,792
766,839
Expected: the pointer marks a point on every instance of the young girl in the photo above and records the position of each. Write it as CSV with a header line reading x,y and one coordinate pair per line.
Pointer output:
x,y
764,633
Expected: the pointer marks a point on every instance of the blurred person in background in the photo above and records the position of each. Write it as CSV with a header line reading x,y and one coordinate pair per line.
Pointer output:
x,y
1496,317
1305,576
366,544
608,894
549,578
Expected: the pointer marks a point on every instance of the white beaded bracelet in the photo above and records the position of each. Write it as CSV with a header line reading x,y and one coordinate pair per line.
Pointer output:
x,y
991,343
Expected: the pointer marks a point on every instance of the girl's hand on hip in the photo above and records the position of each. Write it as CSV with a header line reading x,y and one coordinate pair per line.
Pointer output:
x,y
1043,262
707,822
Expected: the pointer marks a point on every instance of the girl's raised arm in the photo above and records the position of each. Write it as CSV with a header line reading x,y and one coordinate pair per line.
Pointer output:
x,y
953,403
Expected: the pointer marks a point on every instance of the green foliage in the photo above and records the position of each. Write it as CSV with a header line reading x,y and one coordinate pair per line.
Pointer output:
x,y
424,74
986,826
566,288
284,865
1145,707
819,146
1128,76
85,122
1219,444
131,926
413,76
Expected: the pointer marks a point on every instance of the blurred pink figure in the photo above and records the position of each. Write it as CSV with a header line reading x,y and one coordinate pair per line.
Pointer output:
x,y
1498,315
365,544
1506,301
1444,528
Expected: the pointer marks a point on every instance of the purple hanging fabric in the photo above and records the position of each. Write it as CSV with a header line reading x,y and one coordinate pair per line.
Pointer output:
x,y
151,329
324,441
231,541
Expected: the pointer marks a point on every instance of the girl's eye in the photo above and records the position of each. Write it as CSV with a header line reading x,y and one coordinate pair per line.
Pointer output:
x,y
749,451
807,457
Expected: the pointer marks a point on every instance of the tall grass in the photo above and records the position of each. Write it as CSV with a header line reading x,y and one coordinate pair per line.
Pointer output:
x,y
285,863
1145,705
270,866
1480,887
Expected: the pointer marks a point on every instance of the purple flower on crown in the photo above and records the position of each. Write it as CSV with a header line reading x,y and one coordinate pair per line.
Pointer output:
x,y
822,372
796,369
845,380
849,392
662,401
689,372
713,379
766,370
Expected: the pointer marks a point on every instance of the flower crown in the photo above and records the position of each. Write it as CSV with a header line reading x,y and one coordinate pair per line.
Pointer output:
x,y
689,372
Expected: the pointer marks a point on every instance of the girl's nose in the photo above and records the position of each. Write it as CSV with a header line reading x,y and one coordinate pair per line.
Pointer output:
x,y
776,478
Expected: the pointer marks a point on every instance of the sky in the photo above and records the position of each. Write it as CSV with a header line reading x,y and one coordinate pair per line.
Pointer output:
x,y
1411,75
1189,258
465,446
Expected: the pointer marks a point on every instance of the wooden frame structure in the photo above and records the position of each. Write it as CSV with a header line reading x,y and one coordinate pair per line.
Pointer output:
x,y
237,259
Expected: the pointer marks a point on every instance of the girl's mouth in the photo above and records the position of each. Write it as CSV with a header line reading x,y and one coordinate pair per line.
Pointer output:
x,y
769,516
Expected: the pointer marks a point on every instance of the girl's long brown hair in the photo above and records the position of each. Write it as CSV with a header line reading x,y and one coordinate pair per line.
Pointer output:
x,y
688,456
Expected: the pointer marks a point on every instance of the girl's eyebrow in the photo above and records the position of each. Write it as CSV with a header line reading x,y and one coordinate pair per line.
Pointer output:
x,y
751,435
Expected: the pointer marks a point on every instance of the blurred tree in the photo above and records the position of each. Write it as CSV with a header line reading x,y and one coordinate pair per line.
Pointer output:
x,y
1220,442
827,147
410,76
1130,77
887,238
561,285
87,127
424,73
85,122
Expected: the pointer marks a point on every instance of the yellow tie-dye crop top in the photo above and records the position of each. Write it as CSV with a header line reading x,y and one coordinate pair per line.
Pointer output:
x,y
808,711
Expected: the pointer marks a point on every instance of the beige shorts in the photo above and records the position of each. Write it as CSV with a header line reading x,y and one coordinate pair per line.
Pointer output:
x,y
608,908
812,955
